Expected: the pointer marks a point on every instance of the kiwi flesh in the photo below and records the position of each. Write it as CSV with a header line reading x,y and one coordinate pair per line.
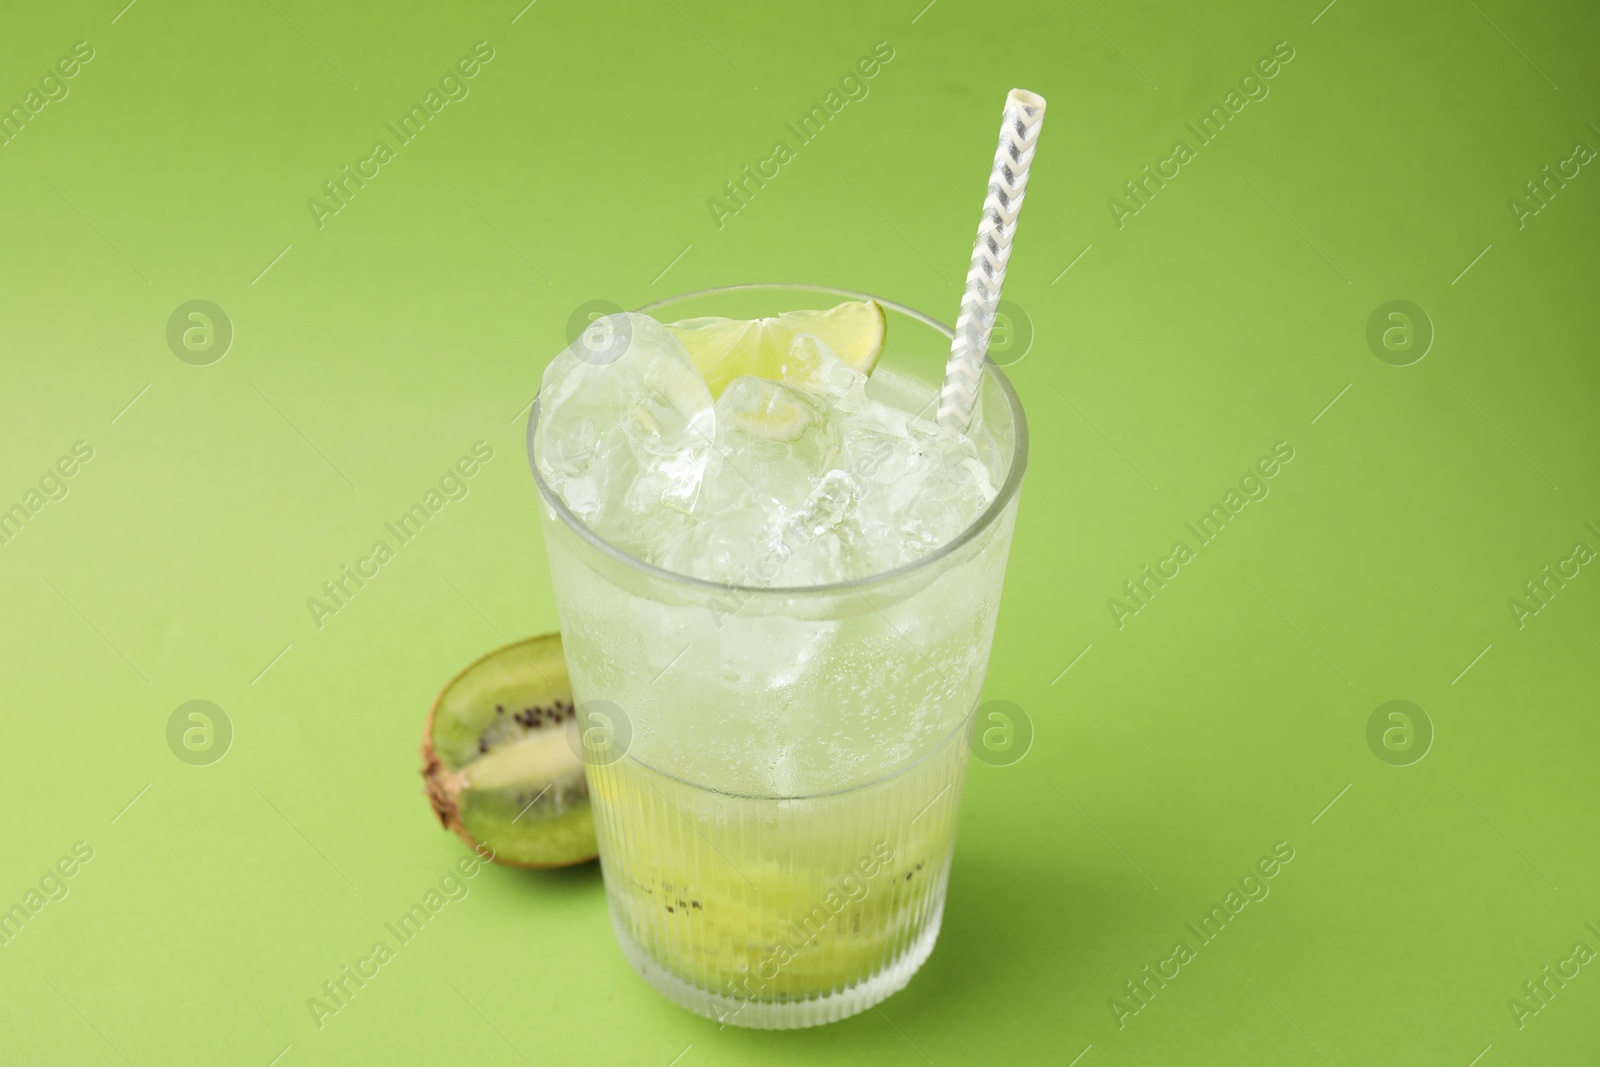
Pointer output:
x,y
500,759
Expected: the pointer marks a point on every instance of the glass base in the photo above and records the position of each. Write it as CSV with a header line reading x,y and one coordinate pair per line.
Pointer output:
x,y
783,1014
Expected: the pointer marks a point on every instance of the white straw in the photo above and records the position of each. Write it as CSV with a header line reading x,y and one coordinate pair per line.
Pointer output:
x,y
1019,136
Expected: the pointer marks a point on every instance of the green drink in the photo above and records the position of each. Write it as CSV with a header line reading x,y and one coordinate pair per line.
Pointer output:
x,y
777,605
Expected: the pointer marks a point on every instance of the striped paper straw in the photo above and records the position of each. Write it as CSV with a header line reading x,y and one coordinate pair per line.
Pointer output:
x,y
1019,136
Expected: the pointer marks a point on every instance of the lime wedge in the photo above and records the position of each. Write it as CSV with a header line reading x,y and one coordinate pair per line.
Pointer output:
x,y
725,349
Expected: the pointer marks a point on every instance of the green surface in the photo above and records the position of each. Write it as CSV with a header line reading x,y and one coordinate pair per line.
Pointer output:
x,y
1225,316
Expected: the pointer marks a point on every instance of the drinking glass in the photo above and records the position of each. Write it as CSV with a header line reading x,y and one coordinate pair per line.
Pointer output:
x,y
775,772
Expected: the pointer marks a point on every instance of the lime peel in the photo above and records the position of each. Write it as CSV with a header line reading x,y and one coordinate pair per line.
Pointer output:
x,y
725,349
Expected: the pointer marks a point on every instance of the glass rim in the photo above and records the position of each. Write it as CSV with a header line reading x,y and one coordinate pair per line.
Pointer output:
x,y
991,514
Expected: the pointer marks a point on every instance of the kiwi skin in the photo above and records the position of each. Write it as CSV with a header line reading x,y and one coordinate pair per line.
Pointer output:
x,y
564,841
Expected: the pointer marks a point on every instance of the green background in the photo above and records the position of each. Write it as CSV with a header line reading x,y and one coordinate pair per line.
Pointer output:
x,y
1226,716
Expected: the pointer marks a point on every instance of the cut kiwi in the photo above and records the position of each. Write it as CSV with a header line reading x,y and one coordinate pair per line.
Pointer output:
x,y
500,759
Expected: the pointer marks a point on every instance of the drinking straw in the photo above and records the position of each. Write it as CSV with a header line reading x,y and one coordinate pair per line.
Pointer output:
x,y
1019,136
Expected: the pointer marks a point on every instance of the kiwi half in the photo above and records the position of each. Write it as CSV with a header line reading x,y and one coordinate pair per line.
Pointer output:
x,y
500,759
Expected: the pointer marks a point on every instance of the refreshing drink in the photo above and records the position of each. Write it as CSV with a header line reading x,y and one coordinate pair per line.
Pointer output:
x,y
757,909
778,580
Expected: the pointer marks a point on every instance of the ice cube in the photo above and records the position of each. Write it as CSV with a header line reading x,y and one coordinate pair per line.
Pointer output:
x,y
742,546
625,426
835,495
920,485
804,481
813,365
773,441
